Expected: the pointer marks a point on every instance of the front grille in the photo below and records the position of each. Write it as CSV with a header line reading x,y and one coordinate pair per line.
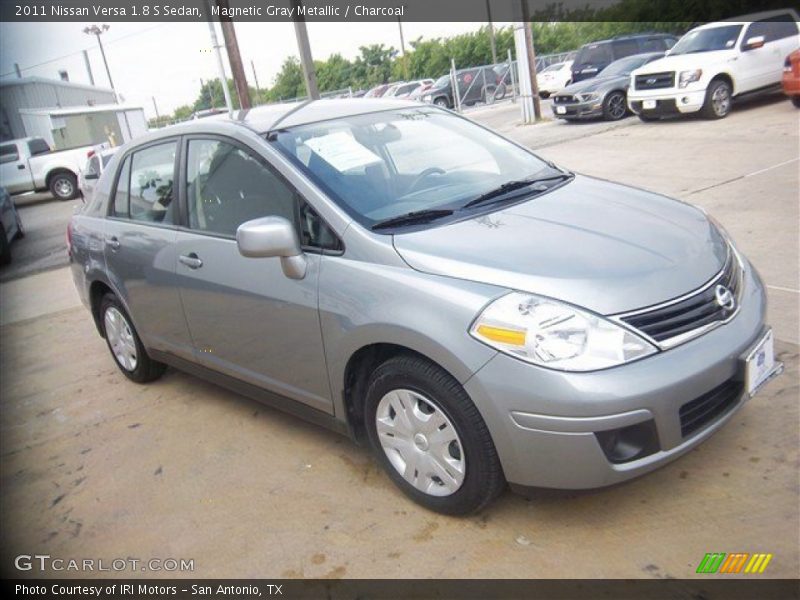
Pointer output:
x,y
709,407
564,99
684,315
655,81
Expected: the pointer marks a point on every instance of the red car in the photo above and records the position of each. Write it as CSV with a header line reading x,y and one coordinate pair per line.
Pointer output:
x,y
791,77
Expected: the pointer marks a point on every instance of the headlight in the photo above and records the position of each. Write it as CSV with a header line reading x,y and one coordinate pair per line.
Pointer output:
x,y
427,98
555,335
687,77
588,96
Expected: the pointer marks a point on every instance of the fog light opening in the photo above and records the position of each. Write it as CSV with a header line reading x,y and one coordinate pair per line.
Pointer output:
x,y
629,443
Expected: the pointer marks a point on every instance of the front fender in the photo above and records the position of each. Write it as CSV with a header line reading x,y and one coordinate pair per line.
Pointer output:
x,y
362,304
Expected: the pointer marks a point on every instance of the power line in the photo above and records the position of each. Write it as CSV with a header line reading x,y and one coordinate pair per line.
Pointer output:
x,y
110,42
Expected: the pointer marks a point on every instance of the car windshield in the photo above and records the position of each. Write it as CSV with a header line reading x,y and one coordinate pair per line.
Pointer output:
x,y
382,165
707,40
623,66
553,68
442,81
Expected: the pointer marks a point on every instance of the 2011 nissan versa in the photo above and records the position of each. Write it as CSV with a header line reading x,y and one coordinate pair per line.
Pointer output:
x,y
403,275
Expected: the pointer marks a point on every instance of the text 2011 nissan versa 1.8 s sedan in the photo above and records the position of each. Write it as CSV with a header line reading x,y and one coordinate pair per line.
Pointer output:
x,y
401,274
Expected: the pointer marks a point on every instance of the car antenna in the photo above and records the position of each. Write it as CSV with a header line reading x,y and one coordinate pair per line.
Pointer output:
x,y
284,116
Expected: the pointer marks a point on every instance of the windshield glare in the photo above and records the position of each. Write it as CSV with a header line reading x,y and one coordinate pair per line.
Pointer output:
x,y
382,165
708,40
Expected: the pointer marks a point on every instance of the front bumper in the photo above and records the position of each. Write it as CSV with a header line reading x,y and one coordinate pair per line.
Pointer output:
x,y
667,102
548,426
579,110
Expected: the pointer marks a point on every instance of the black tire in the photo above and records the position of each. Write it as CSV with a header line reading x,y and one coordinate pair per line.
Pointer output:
x,y
796,101
614,107
544,95
646,118
719,100
146,369
20,229
483,475
5,247
64,186
442,102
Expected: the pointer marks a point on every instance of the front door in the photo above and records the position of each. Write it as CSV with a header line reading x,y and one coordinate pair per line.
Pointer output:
x,y
247,319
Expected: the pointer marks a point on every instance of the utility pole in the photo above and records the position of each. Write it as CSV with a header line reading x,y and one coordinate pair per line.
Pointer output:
x,y
97,32
309,72
234,58
526,21
88,66
220,66
255,76
491,32
403,49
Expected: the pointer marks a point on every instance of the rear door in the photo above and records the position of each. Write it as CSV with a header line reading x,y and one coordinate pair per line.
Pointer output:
x,y
247,319
140,253
14,173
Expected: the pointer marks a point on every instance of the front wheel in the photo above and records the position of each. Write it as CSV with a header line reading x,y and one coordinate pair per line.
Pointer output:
x,y
430,438
64,186
124,343
442,102
614,107
718,100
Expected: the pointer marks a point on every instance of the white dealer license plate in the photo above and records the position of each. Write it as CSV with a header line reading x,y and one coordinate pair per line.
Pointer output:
x,y
562,110
648,104
760,364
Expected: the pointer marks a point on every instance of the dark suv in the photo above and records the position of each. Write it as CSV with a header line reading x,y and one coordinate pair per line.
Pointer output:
x,y
596,56
474,85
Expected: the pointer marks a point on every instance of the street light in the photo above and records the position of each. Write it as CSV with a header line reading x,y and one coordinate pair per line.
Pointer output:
x,y
97,31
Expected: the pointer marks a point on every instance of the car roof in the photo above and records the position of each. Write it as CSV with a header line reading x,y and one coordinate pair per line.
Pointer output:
x,y
263,119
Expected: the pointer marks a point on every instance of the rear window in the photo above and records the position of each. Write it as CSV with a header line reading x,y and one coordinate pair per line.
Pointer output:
x,y
38,146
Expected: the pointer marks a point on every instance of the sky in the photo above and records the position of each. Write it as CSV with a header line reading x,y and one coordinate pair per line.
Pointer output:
x,y
166,61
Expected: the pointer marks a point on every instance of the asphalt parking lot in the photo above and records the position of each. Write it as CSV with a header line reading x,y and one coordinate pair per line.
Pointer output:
x,y
92,465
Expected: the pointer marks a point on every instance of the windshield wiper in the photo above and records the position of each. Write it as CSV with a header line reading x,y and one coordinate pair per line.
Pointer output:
x,y
417,216
511,186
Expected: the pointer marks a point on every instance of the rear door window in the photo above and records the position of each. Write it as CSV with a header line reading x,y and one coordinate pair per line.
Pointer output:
x,y
623,48
152,175
38,146
120,206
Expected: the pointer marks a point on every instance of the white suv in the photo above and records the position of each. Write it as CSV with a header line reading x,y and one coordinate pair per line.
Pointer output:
x,y
714,63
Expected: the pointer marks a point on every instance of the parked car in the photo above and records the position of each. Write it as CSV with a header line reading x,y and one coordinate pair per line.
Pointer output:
x,y
96,162
419,92
377,91
474,85
28,164
403,275
715,63
403,90
791,77
554,78
11,226
596,56
603,96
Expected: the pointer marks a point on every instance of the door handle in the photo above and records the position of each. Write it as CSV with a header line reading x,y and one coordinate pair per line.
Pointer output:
x,y
113,243
191,260
21,167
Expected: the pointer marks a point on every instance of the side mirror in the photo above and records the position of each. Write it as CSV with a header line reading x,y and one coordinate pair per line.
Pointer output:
x,y
273,237
754,42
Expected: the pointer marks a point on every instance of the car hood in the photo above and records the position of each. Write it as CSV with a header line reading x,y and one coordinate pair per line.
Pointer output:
x,y
685,62
595,84
596,244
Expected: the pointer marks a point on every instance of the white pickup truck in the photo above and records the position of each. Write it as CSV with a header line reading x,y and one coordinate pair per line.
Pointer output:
x,y
28,165
715,63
